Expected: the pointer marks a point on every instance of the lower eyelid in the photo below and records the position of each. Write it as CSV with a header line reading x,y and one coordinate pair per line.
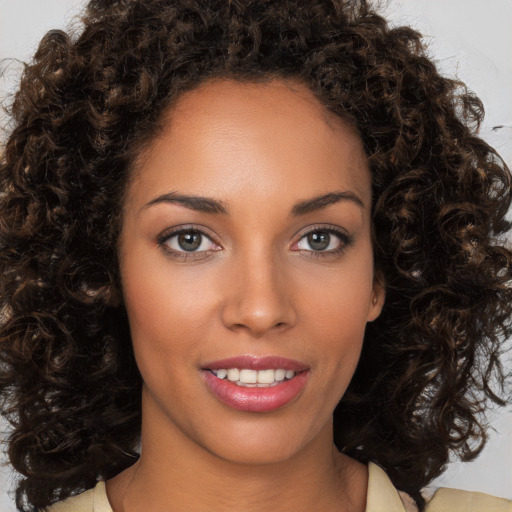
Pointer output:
x,y
186,256
180,254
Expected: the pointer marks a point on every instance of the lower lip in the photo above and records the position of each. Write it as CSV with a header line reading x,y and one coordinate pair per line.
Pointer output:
x,y
256,399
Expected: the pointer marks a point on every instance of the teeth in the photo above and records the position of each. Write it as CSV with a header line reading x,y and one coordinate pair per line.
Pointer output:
x,y
265,376
248,376
222,374
279,375
254,378
233,374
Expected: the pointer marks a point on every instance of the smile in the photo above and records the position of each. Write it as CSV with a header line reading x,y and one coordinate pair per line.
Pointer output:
x,y
256,384
254,378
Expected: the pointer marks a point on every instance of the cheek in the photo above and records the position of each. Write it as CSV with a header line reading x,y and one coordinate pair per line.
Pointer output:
x,y
336,308
168,312
340,299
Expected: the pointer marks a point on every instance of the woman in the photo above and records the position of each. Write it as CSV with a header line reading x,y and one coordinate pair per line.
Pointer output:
x,y
226,224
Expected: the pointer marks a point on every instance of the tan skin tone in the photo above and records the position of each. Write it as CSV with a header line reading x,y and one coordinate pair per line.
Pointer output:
x,y
261,154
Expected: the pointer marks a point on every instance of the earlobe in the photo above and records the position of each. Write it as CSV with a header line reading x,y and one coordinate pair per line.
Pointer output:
x,y
378,298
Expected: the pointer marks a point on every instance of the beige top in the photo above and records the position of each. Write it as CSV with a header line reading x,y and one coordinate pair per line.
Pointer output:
x,y
382,497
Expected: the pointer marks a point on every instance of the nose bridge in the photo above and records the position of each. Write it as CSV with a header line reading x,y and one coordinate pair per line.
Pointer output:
x,y
260,296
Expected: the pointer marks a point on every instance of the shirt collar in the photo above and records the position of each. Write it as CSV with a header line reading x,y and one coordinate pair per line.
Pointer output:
x,y
382,495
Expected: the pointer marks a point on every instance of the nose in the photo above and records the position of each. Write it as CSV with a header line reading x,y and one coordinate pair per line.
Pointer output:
x,y
258,296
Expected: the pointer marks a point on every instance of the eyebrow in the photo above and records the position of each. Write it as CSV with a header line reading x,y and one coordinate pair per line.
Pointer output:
x,y
198,203
209,205
324,200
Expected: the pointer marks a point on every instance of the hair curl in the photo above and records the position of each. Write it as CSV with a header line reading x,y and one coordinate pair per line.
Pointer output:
x,y
86,107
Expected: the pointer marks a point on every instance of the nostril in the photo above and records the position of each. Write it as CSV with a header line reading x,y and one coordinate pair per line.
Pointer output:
x,y
256,328
256,308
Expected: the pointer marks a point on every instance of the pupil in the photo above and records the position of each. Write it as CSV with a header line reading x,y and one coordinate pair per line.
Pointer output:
x,y
319,240
189,241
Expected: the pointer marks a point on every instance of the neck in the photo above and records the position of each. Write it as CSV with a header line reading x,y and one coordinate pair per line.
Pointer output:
x,y
175,473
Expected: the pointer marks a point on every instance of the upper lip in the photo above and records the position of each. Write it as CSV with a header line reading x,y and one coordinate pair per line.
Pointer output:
x,y
257,363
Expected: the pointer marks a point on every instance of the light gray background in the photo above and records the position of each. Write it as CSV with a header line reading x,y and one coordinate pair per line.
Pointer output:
x,y
470,39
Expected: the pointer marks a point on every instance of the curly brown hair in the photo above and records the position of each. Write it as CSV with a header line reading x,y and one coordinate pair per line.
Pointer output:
x,y
89,103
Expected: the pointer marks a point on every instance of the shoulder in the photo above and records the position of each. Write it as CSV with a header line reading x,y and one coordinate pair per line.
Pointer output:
x,y
455,500
384,497
93,500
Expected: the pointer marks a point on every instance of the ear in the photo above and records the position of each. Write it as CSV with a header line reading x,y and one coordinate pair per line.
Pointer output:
x,y
378,297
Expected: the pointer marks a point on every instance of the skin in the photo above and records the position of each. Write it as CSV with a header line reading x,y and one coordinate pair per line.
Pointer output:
x,y
255,287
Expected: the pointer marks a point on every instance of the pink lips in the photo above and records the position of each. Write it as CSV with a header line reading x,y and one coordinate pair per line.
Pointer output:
x,y
256,399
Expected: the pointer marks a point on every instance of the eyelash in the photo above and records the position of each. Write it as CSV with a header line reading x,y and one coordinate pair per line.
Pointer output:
x,y
166,236
344,238
163,240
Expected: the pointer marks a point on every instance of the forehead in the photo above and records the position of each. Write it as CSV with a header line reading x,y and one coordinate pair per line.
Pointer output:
x,y
227,137
286,98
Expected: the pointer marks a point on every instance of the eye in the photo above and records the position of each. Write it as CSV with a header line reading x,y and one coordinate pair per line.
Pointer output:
x,y
187,242
326,240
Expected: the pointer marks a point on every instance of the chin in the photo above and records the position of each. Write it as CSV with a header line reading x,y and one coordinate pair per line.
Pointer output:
x,y
258,443
257,454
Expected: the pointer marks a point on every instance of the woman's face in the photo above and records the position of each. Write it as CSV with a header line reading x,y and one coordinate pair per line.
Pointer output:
x,y
247,270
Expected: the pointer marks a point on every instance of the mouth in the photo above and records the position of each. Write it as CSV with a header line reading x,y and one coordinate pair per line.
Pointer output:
x,y
255,384
254,378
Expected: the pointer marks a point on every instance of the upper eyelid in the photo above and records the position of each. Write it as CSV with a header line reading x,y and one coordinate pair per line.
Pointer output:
x,y
322,227
176,230
344,237
182,255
